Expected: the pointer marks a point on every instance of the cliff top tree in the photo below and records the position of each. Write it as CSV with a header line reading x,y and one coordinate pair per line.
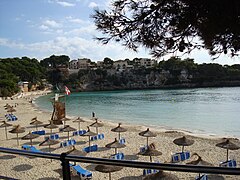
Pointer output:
x,y
167,26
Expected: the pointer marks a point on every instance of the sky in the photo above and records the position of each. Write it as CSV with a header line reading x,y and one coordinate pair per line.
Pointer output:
x,y
41,28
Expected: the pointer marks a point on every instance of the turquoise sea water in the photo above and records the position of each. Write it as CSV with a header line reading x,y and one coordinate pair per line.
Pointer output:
x,y
204,110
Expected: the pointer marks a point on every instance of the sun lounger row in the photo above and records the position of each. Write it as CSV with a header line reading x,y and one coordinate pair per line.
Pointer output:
x,y
11,117
66,143
119,156
149,171
30,148
91,148
181,156
97,137
230,163
82,173
202,177
79,133
143,148
52,136
122,141
40,132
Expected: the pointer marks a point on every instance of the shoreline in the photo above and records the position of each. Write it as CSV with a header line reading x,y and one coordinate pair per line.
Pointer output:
x,y
26,168
157,128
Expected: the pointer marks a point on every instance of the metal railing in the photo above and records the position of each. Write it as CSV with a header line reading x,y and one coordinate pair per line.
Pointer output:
x,y
64,158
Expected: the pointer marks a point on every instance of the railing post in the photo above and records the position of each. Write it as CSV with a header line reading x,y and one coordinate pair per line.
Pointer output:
x,y
65,167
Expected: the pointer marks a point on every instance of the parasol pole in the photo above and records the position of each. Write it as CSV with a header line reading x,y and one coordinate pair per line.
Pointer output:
x,y
227,154
150,158
97,130
89,144
17,140
119,135
147,141
68,135
182,148
30,141
6,132
110,176
78,126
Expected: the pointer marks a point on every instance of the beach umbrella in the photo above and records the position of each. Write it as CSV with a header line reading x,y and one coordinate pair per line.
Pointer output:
x,y
199,162
227,144
11,110
150,152
7,106
108,169
5,125
115,144
79,120
17,129
36,123
119,129
76,152
183,141
147,134
30,137
49,142
89,134
64,120
96,124
161,175
34,119
67,129
51,126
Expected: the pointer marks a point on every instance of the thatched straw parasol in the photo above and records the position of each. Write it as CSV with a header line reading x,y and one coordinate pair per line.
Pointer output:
x,y
17,129
79,120
67,129
150,152
34,119
183,141
51,126
96,124
161,175
119,129
64,120
108,169
11,110
227,144
36,123
5,125
76,152
30,137
115,144
147,134
89,134
199,162
49,142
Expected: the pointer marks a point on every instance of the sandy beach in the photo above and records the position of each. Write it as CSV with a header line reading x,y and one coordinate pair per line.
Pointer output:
x,y
21,167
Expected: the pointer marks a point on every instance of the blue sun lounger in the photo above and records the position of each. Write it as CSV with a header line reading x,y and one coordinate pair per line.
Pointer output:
x,y
79,133
30,148
122,141
82,173
181,156
66,143
97,137
91,148
11,117
119,156
230,163
40,132
150,171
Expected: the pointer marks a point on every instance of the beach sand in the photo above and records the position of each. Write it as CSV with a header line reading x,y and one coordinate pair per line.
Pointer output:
x,y
21,167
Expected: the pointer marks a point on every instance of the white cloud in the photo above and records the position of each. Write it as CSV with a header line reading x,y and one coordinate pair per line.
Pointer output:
x,y
43,27
75,20
92,5
65,4
51,24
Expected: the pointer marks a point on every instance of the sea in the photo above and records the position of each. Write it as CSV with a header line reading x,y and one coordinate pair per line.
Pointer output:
x,y
206,111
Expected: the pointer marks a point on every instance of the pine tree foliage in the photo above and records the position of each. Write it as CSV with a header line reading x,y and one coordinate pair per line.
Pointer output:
x,y
168,26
